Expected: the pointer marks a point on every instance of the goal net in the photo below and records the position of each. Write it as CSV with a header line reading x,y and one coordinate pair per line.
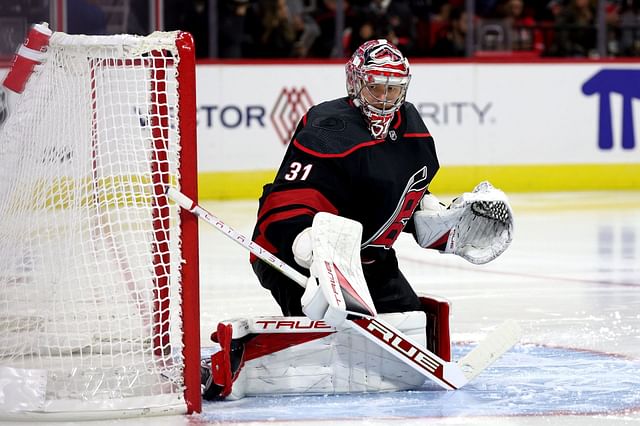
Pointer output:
x,y
98,271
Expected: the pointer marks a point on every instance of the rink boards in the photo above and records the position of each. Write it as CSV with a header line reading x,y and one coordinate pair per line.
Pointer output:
x,y
539,126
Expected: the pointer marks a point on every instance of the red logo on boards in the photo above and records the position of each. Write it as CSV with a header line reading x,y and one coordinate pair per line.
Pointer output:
x,y
289,108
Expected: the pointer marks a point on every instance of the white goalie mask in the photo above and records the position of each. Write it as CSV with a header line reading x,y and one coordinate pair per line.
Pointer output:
x,y
377,81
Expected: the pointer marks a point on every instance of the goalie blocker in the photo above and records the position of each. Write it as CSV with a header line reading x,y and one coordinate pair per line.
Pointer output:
x,y
297,355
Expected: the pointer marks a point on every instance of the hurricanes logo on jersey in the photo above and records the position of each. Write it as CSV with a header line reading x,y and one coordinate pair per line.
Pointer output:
x,y
411,196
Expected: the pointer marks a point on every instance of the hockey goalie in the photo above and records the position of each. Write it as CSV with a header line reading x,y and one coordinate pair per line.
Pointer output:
x,y
355,175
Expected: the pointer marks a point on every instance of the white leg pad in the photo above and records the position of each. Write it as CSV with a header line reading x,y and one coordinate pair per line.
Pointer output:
x,y
327,363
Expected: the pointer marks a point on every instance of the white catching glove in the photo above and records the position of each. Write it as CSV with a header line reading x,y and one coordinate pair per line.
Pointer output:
x,y
337,285
478,226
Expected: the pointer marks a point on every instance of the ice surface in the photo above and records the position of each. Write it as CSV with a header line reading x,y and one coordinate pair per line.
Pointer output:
x,y
531,380
571,279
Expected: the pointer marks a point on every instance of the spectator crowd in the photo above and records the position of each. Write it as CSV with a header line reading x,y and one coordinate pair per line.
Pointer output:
x,y
420,28
307,28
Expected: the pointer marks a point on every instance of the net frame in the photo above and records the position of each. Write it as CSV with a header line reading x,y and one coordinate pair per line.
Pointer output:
x,y
185,177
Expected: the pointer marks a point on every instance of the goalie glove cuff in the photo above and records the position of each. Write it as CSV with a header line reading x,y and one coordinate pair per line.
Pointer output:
x,y
431,203
433,227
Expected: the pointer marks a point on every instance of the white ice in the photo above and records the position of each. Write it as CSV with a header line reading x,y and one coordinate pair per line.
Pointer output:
x,y
571,278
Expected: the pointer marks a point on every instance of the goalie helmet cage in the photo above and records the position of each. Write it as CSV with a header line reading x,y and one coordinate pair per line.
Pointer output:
x,y
99,312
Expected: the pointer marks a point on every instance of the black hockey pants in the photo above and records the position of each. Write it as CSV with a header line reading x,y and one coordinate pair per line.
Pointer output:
x,y
390,290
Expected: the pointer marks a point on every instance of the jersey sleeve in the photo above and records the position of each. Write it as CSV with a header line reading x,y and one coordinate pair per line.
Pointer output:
x,y
306,183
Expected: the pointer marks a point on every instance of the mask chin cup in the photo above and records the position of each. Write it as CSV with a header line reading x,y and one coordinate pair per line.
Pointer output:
x,y
378,124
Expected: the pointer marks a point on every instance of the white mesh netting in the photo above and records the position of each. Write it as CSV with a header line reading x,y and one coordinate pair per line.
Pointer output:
x,y
89,253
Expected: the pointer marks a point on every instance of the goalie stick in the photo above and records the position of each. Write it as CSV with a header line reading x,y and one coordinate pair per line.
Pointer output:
x,y
448,375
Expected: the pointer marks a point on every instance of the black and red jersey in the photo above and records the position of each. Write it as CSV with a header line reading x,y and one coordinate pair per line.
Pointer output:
x,y
333,165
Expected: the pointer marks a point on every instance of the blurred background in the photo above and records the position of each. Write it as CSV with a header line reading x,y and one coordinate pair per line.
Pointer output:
x,y
334,28
531,95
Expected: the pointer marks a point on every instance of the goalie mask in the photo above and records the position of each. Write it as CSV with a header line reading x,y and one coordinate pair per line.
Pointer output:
x,y
377,81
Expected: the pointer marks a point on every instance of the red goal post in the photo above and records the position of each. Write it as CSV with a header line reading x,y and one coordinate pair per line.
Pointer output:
x,y
99,303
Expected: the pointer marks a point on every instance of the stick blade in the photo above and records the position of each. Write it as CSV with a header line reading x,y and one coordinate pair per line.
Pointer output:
x,y
490,349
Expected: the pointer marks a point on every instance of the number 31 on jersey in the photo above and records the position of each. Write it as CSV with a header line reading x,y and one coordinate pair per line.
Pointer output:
x,y
297,171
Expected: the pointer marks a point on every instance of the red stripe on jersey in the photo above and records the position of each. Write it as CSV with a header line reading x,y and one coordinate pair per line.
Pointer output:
x,y
398,121
261,239
284,215
312,198
417,135
304,120
339,154
312,201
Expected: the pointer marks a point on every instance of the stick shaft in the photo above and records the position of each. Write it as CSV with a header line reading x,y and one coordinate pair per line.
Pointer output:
x,y
188,204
